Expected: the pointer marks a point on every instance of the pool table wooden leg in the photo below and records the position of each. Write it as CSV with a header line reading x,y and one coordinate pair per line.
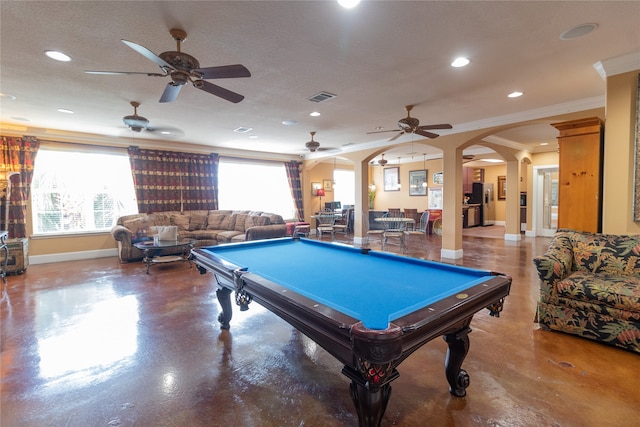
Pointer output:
x,y
458,378
370,401
224,298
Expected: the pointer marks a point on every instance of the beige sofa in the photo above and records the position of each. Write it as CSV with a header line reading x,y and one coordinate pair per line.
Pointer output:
x,y
208,228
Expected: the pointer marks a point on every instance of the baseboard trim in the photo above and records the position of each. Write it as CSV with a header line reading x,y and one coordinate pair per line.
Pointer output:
x,y
513,237
451,254
72,256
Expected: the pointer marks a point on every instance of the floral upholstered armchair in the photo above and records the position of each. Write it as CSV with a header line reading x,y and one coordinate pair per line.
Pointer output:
x,y
590,286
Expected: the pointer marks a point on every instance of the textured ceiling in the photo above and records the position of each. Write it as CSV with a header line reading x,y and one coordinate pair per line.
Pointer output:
x,y
376,58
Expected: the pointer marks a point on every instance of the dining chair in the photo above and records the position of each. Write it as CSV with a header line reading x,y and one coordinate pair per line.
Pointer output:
x,y
326,221
342,224
395,212
413,214
394,228
420,230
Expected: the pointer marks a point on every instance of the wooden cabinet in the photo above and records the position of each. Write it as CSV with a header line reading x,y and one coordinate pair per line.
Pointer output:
x,y
469,176
581,149
18,255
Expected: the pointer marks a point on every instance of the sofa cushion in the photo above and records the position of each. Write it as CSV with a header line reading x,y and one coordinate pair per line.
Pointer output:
x,y
198,221
274,218
255,220
228,223
227,236
240,221
138,226
622,292
214,221
605,253
181,221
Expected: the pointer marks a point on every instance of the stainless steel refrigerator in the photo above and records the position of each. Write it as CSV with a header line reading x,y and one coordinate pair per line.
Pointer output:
x,y
484,195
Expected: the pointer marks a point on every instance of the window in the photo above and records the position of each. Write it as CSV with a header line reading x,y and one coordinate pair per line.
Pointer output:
x,y
344,188
246,185
80,191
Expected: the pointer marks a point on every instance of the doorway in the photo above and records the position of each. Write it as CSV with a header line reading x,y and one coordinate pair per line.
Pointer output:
x,y
545,200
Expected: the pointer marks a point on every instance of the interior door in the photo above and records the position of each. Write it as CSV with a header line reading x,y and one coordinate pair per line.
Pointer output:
x,y
545,202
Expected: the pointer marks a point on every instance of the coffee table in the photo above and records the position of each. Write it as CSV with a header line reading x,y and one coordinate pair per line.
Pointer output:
x,y
152,249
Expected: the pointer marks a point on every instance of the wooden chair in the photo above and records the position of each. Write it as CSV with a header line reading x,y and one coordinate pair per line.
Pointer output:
x,y
326,222
413,214
395,213
420,230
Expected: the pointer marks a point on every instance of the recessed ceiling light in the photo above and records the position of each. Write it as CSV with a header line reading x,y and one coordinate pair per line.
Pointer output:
x,y
314,114
544,143
58,56
7,96
578,31
165,132
492,160
515,94
253,136
348,4
64,110
289,122
21,119
460,62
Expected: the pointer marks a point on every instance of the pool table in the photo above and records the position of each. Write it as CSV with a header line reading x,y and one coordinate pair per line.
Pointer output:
x,y
369,309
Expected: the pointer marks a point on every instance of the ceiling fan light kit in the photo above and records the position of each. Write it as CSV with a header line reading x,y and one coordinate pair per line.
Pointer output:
x,y
312,145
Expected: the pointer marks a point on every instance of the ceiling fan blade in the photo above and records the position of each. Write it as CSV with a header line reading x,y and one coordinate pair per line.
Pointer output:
x,y
171,92
218,91
382,131
119,73
224,72
397,136
148,54
426,134
442,126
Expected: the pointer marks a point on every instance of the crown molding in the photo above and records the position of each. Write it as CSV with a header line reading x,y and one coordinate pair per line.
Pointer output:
x,y
618,65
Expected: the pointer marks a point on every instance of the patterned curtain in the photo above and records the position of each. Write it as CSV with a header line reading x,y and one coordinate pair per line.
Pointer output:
x,y
173,181
19,155
295,185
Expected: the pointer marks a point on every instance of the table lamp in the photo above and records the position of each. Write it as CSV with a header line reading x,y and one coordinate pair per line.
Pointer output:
x,y
320,192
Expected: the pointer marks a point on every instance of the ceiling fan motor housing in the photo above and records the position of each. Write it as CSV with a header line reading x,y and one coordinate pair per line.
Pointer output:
x,y
408,123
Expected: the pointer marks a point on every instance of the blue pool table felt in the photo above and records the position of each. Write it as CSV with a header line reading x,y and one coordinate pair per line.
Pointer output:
x,y
375,288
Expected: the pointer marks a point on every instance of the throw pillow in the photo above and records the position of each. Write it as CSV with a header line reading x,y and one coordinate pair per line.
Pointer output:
x,y
214,221
255,221
228,223
240,220
181,221
198,222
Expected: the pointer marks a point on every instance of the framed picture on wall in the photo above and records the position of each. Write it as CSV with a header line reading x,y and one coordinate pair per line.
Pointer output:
x,y
418,183
392,179
438,178
327,184
315,186
435,198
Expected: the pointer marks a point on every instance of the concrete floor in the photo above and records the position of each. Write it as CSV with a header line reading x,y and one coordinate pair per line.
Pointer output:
x,y
97,343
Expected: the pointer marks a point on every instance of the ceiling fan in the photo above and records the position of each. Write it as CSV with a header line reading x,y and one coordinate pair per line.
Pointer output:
x,y
412,125
314,146
138,123
184,68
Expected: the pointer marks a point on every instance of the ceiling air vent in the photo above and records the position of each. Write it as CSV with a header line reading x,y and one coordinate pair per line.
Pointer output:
x,y
321,96
242,129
